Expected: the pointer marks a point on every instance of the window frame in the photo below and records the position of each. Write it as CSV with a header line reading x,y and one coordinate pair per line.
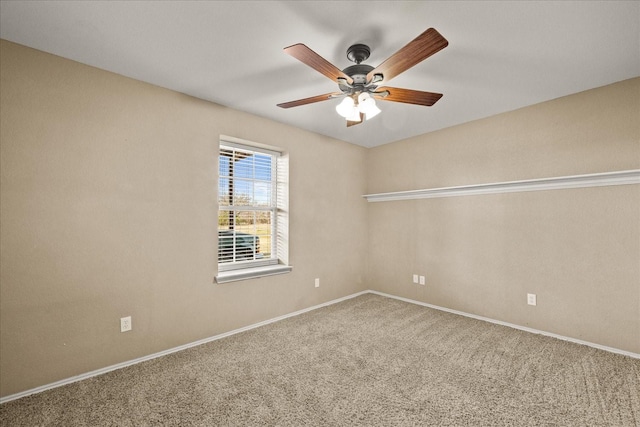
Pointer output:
x,y
277,263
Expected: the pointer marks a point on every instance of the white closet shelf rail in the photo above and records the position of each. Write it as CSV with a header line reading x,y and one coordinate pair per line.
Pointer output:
x,y
556,183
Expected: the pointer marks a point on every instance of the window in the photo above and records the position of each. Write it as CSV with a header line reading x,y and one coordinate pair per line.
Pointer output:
x,y
251,212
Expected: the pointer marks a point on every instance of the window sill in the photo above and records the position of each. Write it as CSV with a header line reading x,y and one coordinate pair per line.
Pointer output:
x,y
252,273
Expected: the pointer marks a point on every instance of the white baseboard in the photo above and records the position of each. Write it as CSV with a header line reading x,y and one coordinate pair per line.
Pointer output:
x,y
296,313
512,325
166,352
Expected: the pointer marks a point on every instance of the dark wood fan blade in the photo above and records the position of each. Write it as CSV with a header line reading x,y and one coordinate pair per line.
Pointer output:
x,y
306,101
305,55
408,96
416,51
351,123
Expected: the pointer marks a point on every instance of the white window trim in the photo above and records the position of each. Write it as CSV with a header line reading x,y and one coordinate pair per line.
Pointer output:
x,y
251,273
278,264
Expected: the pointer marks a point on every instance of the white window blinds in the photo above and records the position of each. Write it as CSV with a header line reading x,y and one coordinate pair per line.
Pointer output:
x,y
247,200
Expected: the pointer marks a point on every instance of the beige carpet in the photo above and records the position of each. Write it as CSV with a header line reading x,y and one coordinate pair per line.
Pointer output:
x,y
370,361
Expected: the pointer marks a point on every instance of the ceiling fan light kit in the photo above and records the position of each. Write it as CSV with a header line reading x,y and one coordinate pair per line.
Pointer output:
x,y
350,109
359,84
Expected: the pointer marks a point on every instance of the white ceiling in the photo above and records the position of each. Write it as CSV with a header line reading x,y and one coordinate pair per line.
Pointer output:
x,y
501,56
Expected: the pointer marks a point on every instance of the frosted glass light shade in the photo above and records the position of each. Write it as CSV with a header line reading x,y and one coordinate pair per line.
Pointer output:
x,y
355,115
367,105
345,108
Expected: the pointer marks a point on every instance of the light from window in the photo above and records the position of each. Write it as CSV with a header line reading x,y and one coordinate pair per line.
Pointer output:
x,y
247,200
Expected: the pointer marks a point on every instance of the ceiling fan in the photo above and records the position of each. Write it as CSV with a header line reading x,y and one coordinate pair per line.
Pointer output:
x,y
360,84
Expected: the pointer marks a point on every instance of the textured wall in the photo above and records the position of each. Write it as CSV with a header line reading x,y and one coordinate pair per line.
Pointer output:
x,y
577,249
108,209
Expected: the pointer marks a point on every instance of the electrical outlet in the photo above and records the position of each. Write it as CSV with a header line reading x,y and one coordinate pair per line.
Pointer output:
x,y
531,299
125,324
422,280
317,282
415,279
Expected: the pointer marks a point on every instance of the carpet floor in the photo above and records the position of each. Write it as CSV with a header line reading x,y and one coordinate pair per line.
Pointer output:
x,y
367,361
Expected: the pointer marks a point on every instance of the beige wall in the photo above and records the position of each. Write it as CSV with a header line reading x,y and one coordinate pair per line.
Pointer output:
x,y
578,249
108,207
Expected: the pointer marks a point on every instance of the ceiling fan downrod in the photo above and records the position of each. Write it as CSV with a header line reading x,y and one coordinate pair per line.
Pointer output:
x,y
358,53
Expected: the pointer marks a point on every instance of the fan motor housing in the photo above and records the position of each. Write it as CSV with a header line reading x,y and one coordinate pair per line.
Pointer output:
x,y
358,73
